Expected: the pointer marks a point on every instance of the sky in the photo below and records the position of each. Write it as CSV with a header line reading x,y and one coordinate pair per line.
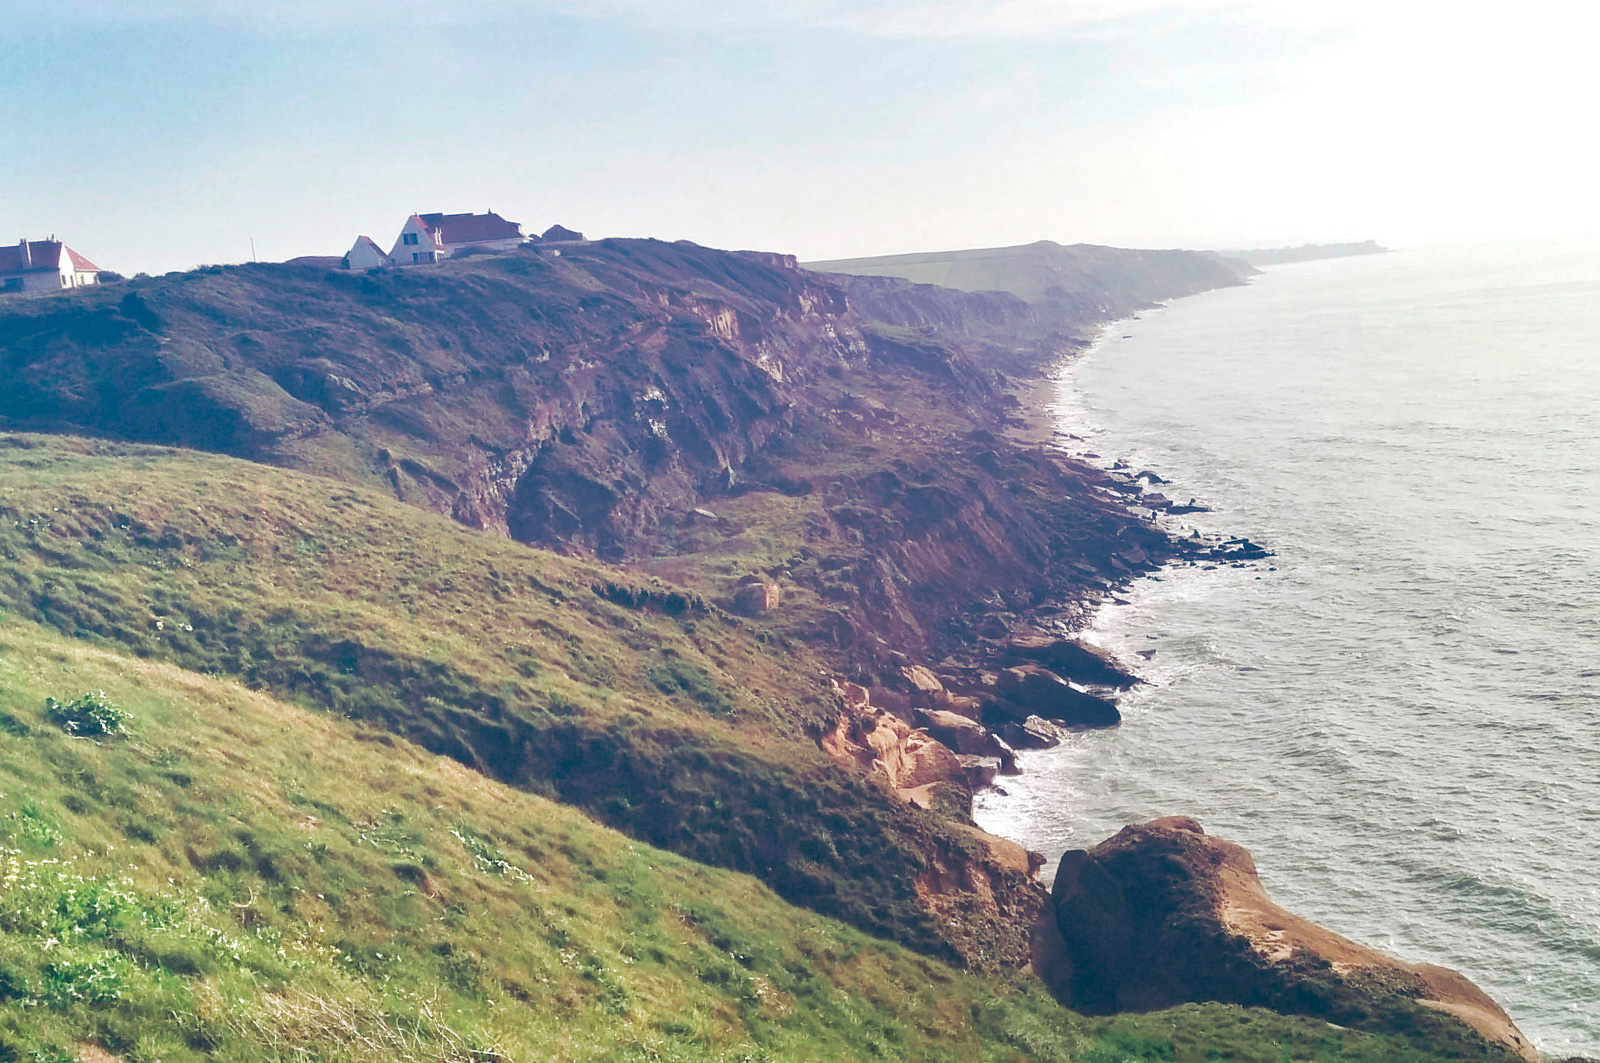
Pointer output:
x,y
154,135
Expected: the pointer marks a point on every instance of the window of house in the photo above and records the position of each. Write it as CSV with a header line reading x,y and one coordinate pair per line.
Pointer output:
x,y
409,238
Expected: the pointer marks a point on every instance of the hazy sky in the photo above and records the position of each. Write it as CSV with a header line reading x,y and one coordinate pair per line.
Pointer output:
x,y
157,134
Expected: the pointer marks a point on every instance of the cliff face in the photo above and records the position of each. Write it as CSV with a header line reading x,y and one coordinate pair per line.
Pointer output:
x,y
595,400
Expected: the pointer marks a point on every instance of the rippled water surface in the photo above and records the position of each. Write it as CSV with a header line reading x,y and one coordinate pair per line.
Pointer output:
x,y
1402,720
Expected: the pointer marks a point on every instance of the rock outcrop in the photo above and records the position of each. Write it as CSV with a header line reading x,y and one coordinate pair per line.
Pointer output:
x,y
1033,690
909,761
1164,914
1073,659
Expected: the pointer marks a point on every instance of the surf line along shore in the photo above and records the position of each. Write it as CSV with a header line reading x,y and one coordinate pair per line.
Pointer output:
x,y
1022,678
1162,913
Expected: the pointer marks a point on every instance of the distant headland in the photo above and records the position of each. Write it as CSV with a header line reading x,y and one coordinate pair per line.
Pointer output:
x,y
1277,256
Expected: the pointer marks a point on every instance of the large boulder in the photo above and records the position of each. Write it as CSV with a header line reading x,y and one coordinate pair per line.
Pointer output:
x,y
958,732
1165,914
1032,733
757,597
1033,690
1073,659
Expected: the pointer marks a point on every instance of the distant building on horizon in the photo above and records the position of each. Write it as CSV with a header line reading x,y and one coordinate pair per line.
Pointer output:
x,y
44,266
434,237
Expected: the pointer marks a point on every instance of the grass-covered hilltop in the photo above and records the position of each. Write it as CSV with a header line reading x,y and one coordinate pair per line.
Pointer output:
x,y
535,657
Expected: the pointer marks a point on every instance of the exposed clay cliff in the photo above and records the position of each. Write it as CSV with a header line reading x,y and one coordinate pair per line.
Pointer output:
x,y
1164,914
641,401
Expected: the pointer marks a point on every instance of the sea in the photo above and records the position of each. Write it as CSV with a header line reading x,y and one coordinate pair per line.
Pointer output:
x,y
1398,713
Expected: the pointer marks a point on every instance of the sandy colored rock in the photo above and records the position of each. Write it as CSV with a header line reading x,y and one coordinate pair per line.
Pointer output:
x,y
922,679
1005,852
756,599
1163,914
980,771
906,758
959,733
960,704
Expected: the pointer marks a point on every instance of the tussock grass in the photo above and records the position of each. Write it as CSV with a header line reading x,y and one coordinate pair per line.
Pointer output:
x,y
687,729
241,878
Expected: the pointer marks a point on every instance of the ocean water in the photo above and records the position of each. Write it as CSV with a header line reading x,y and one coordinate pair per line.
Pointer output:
x,y
1399,714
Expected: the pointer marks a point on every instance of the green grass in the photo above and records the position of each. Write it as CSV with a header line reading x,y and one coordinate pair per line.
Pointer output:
x,y
683,727
240,878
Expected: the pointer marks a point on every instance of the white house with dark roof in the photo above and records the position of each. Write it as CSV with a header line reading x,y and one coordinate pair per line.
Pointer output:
x,y
44,266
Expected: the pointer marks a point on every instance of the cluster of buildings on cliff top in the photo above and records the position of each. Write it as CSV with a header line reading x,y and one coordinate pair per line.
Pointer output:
x,y
51,266
428,238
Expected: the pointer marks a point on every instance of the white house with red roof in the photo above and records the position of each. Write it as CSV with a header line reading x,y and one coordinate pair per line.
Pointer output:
x,y
432,237
44,266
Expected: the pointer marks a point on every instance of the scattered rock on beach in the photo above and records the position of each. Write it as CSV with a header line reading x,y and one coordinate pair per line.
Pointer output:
x,y
980,771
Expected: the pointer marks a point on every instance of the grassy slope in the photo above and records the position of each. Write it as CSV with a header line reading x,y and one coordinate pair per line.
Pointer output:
x,y
687,731
239,878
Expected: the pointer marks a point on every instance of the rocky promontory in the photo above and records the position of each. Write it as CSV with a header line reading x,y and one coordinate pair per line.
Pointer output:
x,y
1163,914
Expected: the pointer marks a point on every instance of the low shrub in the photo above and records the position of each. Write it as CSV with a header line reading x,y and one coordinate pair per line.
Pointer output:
x,y
88,716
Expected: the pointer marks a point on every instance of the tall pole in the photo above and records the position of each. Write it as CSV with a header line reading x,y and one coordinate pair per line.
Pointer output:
x,y
252,249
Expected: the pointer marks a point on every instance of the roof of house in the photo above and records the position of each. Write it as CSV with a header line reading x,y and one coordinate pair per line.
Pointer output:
x,y
469,228
81,264
43,255
369,241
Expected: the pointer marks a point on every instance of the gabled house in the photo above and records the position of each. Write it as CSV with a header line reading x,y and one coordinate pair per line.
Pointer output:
x,y
366,255
432,237
44,266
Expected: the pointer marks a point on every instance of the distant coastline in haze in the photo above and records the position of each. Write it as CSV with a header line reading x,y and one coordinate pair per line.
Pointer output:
x,y
1277,256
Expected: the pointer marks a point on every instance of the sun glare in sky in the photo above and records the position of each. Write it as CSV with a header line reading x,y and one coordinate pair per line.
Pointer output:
x,y
160,135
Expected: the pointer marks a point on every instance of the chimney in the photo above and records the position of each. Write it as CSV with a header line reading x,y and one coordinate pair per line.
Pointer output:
x,y
25,253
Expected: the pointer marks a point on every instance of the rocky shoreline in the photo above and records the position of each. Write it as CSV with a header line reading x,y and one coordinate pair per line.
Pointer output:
x,y
1024,678
1163,913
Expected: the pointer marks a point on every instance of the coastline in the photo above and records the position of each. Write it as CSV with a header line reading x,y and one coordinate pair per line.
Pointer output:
x,y
1080,925
1500,956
